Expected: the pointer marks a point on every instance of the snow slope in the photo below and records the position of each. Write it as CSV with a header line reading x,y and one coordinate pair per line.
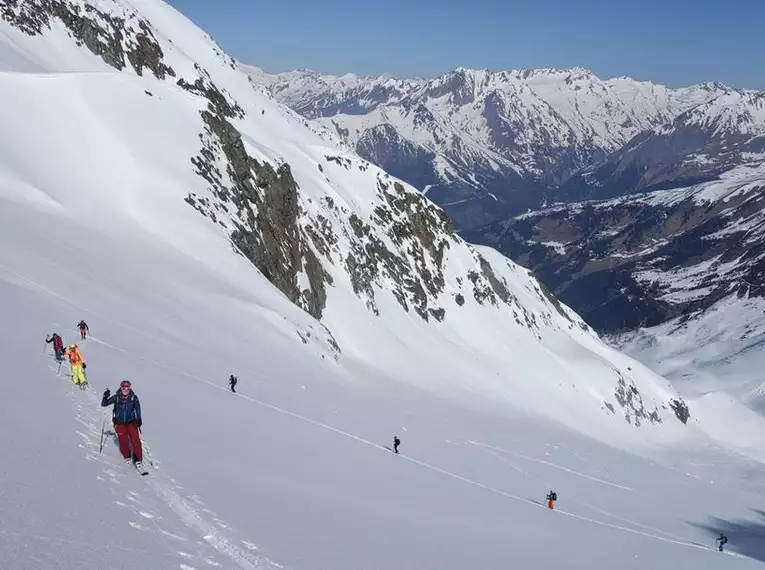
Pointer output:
x,y
505,395
713,350
292,470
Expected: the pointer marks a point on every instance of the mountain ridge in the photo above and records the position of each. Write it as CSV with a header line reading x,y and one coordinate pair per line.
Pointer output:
x,y
486,144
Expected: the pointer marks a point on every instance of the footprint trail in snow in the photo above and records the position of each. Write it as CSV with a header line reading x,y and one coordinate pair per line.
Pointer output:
x,y
157,504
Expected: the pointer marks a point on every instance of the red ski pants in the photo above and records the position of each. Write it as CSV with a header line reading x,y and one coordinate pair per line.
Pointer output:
x,y
128,435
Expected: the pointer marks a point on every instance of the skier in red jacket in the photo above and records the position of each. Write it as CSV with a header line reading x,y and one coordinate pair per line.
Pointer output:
x,y
58,345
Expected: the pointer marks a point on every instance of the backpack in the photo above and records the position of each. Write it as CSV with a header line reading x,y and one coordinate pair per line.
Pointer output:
x,y
553,496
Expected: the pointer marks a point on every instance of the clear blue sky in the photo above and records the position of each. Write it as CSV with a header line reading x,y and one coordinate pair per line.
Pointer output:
x,y
676,42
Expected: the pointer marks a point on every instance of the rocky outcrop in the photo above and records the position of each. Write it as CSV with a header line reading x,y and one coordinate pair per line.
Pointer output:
x,y
629,398
419,231
118,41
265,209
681,410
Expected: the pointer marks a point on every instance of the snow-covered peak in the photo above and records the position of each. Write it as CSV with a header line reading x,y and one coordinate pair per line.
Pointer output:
x,y
475,133
734,112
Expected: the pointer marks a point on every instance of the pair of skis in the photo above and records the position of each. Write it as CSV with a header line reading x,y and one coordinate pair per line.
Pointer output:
x,y
101,448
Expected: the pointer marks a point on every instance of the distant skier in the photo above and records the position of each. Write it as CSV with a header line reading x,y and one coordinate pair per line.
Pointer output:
x,y
126,417
396,443
83,326
232,382
77,364
58,345
551,497
722,541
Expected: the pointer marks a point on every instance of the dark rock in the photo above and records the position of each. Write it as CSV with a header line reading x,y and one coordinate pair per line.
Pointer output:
x,y
681,410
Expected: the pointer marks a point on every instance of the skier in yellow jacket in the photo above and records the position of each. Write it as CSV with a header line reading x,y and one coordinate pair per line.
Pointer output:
x,y
77,363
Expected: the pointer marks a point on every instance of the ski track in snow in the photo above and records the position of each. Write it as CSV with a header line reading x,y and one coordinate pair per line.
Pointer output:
x,y
85,401
489,449
586,462
192,518
553,465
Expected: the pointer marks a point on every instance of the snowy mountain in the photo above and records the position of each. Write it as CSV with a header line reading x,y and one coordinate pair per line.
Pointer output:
x,y
334,234
203,229
526,139
698,350
649,257
485,144
676,274
698,145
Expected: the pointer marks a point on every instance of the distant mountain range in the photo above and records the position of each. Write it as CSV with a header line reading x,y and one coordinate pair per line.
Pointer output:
x,y
486,145
637,204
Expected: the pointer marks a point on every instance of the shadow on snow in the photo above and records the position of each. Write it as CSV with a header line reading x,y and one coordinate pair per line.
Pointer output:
x,y
745,536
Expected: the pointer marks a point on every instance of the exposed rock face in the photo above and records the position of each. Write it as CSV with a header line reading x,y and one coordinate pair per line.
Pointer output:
x,y
112,38
681,410
265,203
629,398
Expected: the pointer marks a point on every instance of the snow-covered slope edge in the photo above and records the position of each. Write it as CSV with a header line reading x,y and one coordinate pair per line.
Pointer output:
x,y
365,253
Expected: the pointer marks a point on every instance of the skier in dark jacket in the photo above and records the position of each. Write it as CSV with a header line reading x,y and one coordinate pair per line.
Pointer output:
x,y
83,326
58,345
396,443
552,496
722,541
126,417
232,382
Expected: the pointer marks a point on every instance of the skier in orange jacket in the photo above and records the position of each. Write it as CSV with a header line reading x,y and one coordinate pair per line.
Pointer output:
x,y
77,363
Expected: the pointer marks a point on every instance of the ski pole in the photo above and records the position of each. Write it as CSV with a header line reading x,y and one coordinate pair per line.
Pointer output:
x,y
145,447
101,445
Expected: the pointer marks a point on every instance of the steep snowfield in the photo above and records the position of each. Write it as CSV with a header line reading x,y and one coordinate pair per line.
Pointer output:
x,y
715,359
718,349
292,469
496,403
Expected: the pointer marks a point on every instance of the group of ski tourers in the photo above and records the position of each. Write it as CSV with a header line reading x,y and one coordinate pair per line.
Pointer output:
x,y
73,352
126,411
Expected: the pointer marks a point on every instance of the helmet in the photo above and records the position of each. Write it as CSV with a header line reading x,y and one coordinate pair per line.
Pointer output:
x,y
72,346
125,384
